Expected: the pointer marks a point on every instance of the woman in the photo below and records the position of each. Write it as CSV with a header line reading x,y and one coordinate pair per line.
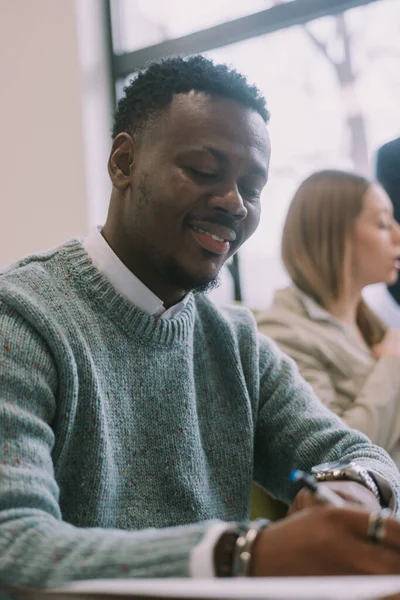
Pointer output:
x,y
340,236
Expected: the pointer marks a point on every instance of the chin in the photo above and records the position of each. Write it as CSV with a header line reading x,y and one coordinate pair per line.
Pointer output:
x,y
393,277
191,279
199,284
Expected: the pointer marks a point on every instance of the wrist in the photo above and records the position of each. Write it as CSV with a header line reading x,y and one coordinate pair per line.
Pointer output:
x,y
233,551
224,552
348,471
257,564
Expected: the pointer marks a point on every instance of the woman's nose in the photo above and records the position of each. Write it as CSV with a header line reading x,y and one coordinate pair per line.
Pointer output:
x,y
396,233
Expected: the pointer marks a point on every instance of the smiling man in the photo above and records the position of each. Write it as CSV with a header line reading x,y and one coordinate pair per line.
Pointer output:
x,y
134,413
211,156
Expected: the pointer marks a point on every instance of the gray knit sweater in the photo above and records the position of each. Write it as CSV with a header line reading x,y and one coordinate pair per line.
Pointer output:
x,y
123,437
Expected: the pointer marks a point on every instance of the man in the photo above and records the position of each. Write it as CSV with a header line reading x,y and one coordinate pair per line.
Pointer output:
x,y
385,300
135,413
388,174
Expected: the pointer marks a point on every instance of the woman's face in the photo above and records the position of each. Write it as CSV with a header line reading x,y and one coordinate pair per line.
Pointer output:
x,y
376,240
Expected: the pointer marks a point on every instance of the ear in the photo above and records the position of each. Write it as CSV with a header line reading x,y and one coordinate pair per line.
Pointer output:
x,y
121,161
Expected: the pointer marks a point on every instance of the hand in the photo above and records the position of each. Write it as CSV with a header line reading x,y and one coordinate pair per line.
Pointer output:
x,y
351,491
325,541
389,346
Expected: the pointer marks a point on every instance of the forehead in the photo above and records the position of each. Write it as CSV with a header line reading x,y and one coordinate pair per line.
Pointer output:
x,y
198,119
376,200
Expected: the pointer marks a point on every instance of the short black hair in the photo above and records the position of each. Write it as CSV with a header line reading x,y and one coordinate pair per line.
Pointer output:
x,y
152,89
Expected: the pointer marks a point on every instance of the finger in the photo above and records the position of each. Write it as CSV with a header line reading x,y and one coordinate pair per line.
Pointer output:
x,y
351,499
362,556
376,559
352,492
391,534
305,499
358,521
299,503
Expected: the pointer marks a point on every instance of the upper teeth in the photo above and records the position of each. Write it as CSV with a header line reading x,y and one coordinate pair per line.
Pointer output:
x,y
214,237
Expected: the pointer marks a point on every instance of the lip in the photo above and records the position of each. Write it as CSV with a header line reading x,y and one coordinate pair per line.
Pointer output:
x,y
205,240
217,229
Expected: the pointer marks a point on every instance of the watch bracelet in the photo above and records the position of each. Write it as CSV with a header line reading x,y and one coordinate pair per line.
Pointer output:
x,y
364,478
224,550
244,545
232,552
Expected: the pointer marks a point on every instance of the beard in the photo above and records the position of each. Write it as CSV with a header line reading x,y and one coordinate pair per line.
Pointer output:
x,y
181,279
168,267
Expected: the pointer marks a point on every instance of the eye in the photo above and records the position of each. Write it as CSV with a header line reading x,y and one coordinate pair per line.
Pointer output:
x,y
249,194
202,174
385,225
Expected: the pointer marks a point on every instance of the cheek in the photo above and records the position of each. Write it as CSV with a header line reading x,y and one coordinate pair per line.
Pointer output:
x,y
183,191
372,254
172,194
372,244
252,220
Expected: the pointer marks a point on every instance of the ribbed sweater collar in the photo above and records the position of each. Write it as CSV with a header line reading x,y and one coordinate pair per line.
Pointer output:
x,y
132,320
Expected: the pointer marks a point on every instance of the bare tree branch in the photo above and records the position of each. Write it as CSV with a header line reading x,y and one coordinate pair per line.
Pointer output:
x,y
320,45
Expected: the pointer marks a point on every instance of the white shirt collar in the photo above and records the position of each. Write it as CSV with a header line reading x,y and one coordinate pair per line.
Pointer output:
x,y
124,281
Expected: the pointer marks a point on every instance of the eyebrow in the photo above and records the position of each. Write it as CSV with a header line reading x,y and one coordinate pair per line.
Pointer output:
x,y
383,211
256,169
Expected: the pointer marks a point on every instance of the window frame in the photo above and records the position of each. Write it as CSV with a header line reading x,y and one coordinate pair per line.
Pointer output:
x,y
270,20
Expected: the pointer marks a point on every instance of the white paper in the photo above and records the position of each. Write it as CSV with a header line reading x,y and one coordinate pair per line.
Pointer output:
x,y
290,588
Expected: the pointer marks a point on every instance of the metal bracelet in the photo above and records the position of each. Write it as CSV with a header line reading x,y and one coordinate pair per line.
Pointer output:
x,y
361,476
376,525
244,545
371,484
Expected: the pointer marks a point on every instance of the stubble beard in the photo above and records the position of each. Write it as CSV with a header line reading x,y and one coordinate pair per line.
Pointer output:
x,y
168,267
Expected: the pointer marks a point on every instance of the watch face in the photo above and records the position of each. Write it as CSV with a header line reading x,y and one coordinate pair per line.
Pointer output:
x,y
331,466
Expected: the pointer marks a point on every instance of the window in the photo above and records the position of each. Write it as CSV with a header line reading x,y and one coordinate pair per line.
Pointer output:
x,y
141,23
333,90
332,86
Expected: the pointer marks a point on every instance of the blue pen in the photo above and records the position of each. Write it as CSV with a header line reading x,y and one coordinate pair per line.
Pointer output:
x,y
322,493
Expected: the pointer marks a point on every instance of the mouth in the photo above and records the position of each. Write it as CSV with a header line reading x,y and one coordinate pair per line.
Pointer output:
x,y
214,238
396,264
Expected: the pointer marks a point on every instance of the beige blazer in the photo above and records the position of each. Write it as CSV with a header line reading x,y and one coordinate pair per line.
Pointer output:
x,y
345,375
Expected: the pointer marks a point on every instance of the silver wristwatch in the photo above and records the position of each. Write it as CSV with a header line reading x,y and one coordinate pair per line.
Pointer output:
x,y
347,471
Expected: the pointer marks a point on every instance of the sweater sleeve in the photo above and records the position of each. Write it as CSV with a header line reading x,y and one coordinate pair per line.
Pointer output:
x,y
375,410
296,431
37,548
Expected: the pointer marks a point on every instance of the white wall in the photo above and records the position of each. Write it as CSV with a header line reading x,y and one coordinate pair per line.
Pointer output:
x,y
97,105
43,194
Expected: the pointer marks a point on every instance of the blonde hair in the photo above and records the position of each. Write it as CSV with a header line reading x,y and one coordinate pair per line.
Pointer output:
x,y
317,228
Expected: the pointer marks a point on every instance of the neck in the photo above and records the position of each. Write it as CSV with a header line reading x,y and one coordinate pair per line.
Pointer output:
x,y
139,268
345,308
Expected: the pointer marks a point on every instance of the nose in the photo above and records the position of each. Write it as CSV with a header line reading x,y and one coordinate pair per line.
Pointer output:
x,y
230,202
396,233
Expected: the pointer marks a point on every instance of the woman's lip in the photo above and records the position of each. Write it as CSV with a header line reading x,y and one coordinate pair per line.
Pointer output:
x,y
208,243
